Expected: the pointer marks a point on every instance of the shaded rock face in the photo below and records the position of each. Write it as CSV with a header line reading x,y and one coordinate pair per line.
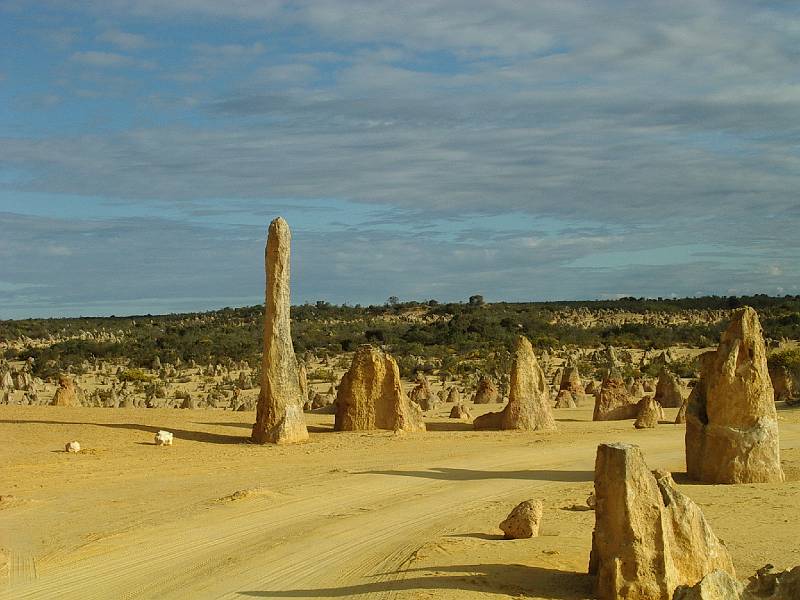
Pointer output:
x,y
731,424
669,391
371,396
487,392
279,413
680,418
613,402
523,521
528,405
764,585
648,538
565,399
423,395
717,585
783,384
649,413
66,393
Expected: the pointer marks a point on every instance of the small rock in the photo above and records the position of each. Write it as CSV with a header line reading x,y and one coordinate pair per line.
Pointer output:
x,y
523,521
73,447
163,438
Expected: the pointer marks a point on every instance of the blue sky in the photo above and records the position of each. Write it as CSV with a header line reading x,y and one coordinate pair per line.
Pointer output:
x,y
520,150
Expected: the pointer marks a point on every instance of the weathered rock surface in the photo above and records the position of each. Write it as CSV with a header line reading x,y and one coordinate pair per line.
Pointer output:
x,y
66,393
371,396
731,424
669,391
613,402
649,538
279,413
523,521
649,413
528,405
486,392
680,418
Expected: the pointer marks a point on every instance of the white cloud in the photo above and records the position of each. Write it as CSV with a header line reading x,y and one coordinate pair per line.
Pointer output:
x,y
95,58
125,40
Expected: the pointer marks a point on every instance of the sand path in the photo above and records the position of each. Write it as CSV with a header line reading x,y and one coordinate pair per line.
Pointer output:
x,y
348,515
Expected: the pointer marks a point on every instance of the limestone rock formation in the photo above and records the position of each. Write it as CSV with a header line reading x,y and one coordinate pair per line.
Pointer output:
x,y
66,393
565,399
423,395
764,585
648,538
613,402
302,380
279,413
668,390
649,413
486,393
371,396
453,396
571,381
731,424
523,521
680,418
783,383
717,585
459,411
529,406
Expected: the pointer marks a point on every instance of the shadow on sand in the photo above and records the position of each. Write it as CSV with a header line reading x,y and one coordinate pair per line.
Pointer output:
x,y
449,474
182,434
519,580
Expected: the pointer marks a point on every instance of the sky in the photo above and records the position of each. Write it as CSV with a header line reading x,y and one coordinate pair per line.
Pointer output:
x,y
521,150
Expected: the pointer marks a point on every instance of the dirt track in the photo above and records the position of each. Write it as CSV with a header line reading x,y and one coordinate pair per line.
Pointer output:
x,y
371,515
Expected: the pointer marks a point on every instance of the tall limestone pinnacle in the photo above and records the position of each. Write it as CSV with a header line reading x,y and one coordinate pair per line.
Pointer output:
x,y
529,407
731,424
279,414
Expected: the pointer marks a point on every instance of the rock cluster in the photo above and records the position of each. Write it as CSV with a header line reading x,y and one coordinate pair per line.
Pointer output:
x,y
279,413
731,424
528,405
649,538
371,396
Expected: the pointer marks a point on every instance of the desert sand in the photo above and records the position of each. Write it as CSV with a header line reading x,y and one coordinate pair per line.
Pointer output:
x,y
343,515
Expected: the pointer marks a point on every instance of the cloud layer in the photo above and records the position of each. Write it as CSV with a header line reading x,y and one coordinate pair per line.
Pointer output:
x,y
521,150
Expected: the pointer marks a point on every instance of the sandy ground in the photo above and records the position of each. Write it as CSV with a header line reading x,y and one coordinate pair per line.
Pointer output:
x,y
345,515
